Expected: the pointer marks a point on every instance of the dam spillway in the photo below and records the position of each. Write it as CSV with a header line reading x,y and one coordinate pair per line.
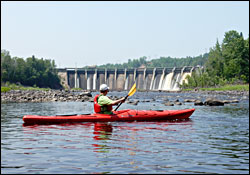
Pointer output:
x,y
151,79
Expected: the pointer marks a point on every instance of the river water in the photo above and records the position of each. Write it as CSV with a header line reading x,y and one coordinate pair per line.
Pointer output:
x,y
214,140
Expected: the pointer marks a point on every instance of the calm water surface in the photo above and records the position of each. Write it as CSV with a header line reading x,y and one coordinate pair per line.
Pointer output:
x,y
214,140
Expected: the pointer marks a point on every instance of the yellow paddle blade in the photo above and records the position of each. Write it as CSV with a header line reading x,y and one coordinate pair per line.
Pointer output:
x,y
132,90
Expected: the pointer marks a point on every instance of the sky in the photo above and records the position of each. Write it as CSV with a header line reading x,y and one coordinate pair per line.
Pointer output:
x,y
85,33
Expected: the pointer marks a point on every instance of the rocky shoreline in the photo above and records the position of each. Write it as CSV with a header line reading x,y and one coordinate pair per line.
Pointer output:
x,y
20,96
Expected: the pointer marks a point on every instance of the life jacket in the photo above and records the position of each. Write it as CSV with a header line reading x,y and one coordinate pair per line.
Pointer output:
x,y
100,109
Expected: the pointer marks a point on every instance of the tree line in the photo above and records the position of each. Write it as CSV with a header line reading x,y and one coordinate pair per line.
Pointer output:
x,y
29,72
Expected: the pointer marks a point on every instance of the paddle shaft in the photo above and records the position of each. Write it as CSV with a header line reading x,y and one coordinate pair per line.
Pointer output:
x,y
120,103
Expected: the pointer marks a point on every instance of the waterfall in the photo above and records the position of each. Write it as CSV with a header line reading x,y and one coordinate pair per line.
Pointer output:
x,y
167,82
126,84
94,81
152,80
77,82
88,82
176,82
160,87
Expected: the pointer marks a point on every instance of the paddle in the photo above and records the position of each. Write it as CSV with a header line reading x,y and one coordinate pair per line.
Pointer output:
x,y
131,92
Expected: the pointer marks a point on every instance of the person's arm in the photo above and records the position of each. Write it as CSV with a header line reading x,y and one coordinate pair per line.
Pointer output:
x,y
118,101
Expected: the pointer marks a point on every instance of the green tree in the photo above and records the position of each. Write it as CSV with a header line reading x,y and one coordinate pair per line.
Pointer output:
x,y
7,66
236,55
215,62
20,70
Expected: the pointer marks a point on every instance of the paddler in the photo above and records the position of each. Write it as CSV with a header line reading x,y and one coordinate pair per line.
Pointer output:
x,y
103,104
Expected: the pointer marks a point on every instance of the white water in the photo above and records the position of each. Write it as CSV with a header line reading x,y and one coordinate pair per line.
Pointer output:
x,y
88,83
167,82
151,83
94,81
126,84
77,82
161,81
176,82
154,84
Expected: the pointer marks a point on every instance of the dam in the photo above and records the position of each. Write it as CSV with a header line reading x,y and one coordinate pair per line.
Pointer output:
x,y
151,79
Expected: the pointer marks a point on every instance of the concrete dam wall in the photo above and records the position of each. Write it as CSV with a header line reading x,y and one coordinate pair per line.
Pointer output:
x,y
168,79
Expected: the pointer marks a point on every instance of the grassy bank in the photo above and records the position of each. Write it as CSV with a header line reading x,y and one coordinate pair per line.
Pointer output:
x,y
9,87
224,88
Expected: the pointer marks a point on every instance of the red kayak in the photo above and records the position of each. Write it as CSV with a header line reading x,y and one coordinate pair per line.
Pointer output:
x,y
122,115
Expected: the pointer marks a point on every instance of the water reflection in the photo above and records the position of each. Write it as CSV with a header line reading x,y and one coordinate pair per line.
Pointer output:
x,y
126,133
102,131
